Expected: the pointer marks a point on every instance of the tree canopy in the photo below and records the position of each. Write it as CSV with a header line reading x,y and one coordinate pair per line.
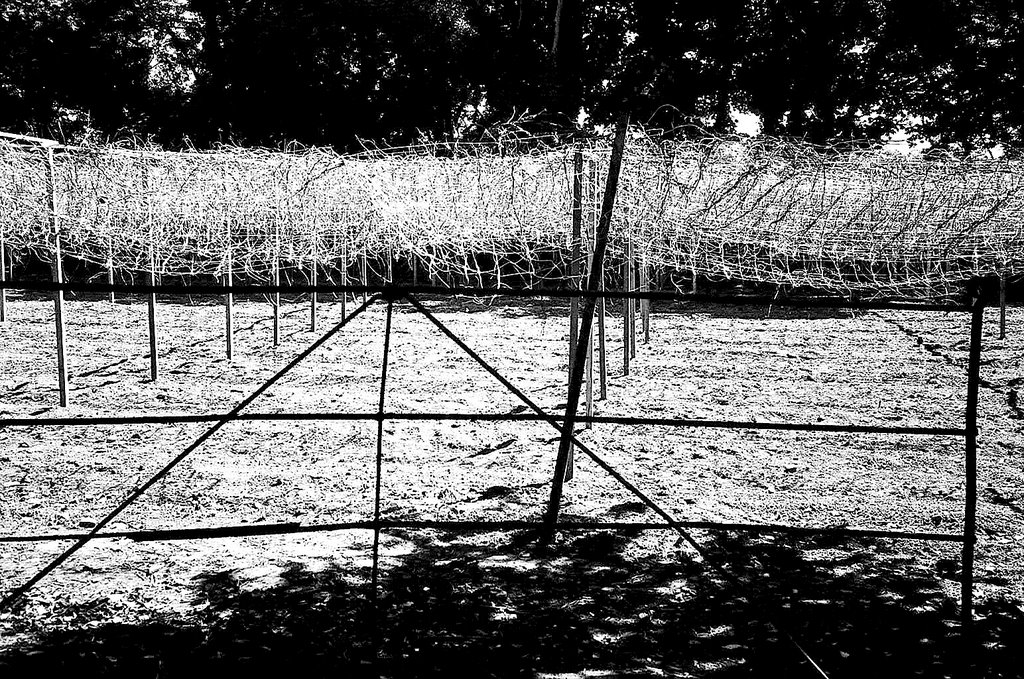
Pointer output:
x,y
330,72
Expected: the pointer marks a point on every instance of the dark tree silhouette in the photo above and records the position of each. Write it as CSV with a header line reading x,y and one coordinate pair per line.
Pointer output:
x,y
395,71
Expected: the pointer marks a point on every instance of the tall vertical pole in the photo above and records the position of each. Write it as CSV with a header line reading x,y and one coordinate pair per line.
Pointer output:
x,y
344,269
645,304
58,277
627,277
586,325
971,464
574,251
364,274
1002,306
590,380
574,281
154,356
633,303
229,298
110,265
602,307
312,280
275,298
588,242
378,477
3,278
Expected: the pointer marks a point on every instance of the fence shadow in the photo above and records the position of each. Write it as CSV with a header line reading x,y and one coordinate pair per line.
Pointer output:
x,y
589,606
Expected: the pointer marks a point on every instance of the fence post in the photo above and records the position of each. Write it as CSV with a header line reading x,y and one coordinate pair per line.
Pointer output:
x,y
3,277
574,251
110,265
229,300
58,277
344,269
275,299
627,303
602,306
154,357
312,280
971,463
1002,306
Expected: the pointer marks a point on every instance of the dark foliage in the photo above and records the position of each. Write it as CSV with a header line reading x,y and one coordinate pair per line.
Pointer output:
x,y
398,71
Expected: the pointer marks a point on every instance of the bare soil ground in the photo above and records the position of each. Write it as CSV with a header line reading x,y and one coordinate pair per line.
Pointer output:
x,y
488,603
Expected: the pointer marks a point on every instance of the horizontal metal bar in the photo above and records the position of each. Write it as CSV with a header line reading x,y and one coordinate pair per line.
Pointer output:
x,y
482,417
251,530
212,289
31,140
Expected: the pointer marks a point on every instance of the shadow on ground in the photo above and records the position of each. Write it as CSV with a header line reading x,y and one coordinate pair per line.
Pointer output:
x,y
487,605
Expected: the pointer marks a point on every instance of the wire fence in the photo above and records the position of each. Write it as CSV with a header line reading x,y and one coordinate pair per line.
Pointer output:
x,y
722,208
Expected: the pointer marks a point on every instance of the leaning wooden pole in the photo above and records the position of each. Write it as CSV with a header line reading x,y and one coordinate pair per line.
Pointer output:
x,y
58,277
574,252
586,324
971,464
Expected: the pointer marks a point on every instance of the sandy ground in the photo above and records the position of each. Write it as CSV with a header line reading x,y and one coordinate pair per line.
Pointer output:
x,y
703,361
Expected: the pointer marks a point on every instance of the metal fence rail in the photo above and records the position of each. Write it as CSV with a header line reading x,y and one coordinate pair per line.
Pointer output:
x,y
968,432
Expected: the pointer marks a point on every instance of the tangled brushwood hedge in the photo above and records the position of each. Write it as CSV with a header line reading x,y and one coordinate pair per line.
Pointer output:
x,y
762,210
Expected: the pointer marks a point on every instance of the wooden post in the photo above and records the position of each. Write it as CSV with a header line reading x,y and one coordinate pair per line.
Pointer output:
x,y
3,278
574,251
589,247
154,356
645,304
590,380
627,303
602,305
229,300
971,464
275,298
364,275
110,265
58,277
602,344
344,271
587,319
633,303
312,281
1002,306
574,281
